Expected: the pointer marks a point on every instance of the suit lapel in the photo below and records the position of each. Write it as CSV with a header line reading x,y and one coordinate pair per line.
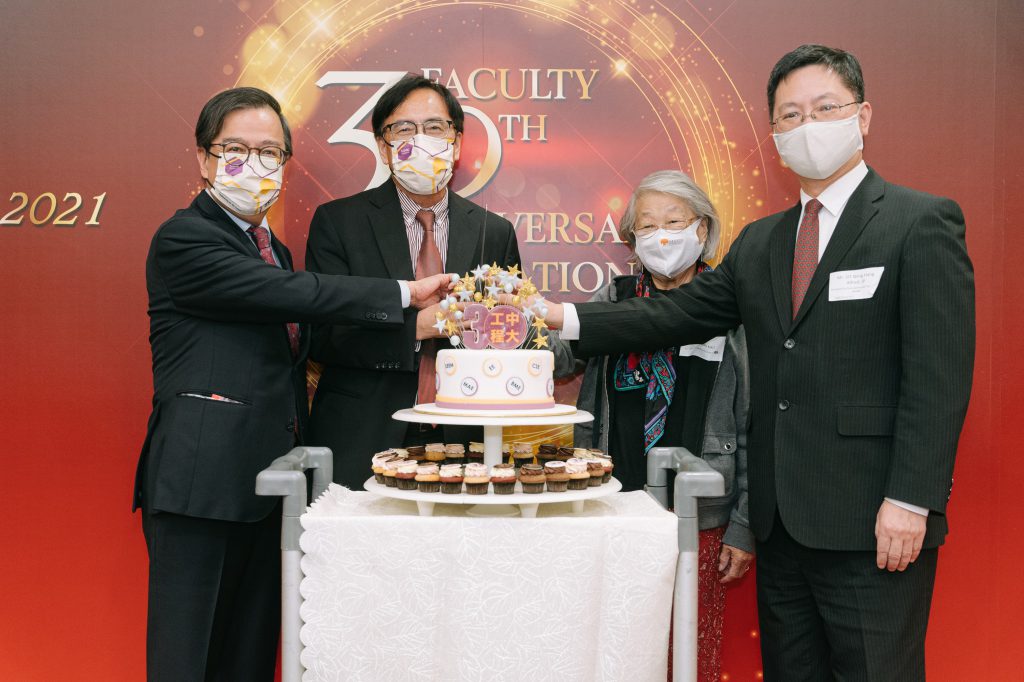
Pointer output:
x,y
783,241
859,210
464,229
212,211
386,223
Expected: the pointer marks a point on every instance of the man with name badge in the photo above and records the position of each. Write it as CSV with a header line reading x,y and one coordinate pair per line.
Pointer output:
x,y
858,304
412,223
229,395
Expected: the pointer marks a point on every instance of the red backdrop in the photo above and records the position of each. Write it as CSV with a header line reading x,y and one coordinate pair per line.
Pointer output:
x,y
98,108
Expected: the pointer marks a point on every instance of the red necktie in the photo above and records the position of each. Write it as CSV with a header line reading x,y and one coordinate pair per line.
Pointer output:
x,y
427,263
805,255
262,237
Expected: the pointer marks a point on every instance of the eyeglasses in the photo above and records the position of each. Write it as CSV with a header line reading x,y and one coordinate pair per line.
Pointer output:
x,y
830,111
403,130
270,158
645,231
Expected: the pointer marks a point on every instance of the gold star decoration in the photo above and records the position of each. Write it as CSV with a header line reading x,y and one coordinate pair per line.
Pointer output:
x,y
514,270
489,302
539,323
438,315
494,269
469,281
450,328
478,297
540,341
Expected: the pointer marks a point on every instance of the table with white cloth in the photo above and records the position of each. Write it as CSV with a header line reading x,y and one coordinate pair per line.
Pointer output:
x,y
392,596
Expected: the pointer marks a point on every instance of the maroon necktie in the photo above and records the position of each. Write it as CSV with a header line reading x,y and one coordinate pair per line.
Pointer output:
x,y
805,256
427,263
262,237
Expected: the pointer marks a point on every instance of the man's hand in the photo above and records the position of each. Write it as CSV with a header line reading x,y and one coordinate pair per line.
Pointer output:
x,y
425,321
733,563
555,317
900,533
429,290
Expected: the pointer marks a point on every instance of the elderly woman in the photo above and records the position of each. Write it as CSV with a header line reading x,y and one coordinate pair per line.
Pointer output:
x,y
691,396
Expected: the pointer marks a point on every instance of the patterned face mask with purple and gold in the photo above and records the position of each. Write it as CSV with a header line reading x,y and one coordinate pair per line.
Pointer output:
x,y
244,189
423,164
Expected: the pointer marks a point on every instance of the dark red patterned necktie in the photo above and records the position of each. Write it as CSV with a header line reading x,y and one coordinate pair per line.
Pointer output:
x,y
262,237
427,263
805,255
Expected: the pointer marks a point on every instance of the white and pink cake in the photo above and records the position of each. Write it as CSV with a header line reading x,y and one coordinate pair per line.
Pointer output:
x,y
493,379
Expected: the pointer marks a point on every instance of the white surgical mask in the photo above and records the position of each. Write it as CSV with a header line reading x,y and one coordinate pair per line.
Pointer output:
x,y
244,190
667,253
818,149
422,164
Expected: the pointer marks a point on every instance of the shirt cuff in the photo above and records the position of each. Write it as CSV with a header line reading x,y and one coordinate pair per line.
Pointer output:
x,y
403,287
923,511
570,323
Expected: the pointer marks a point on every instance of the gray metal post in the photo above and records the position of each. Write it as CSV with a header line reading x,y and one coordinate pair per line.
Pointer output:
x,y
694,478
285,477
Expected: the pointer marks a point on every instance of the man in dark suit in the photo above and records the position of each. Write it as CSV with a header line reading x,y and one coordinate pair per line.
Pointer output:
x,y
229,396
858,304
368,373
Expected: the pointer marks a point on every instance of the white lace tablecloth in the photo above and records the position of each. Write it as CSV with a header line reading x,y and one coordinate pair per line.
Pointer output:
x,y
391,596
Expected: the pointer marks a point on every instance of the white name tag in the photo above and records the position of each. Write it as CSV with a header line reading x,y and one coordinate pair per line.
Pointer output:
x,y
852,285
711,351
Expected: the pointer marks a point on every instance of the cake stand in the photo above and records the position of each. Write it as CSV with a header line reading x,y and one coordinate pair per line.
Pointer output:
x,y
491,504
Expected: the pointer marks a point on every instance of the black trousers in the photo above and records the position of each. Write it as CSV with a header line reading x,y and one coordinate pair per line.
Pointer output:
x,y
214,598
834,615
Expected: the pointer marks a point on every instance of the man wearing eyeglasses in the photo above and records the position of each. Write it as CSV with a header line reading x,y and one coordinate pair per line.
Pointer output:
x,y
229,395
411,224
858,304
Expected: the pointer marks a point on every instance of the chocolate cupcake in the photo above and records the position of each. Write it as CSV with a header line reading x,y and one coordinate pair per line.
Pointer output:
x,y
606,462
503,479
455,453
579,478
556,475
417,452
547,452
506,452
476,452
564,454
476,478
596,471
451,478
522,453
435,453
427,478
405,475
531,477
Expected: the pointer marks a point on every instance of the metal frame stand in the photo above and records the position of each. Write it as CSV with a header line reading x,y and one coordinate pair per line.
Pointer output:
x,y
694,478
286,477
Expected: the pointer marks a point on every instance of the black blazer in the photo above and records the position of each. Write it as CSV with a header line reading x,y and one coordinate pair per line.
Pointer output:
x,y
368,374
217,328
852,401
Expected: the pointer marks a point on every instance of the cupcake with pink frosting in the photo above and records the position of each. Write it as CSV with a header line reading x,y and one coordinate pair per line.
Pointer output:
x,y
477,478
579,477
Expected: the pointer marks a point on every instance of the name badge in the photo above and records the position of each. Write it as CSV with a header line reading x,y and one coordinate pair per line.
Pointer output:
x,y
712,350
852,285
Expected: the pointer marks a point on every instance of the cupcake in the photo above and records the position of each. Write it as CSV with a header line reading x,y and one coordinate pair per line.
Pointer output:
x,y
476,478
427,478
451,478
564,454
455,453
405,475
476,452
606,462
377,464
522,453
506,452
581,453
579,479
556,475
596,471
417,452
435,453
597,452
547,452
531,477
390,469
503,478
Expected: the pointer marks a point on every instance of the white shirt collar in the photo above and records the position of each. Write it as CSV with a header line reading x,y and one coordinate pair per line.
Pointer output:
x,y
834,197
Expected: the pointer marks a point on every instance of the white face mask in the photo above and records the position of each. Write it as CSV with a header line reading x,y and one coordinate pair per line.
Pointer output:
x,y
423,164
244,190
668,253
818,149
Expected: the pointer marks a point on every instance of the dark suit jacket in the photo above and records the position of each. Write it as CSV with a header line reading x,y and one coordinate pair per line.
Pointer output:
x,y
370,373
852,401
217,327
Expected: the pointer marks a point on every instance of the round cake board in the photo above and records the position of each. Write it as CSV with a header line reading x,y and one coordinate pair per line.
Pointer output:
x,y
557,411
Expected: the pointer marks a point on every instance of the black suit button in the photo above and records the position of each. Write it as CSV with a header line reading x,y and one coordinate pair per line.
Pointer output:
x,y
369,316
789,344
727,447
783,405
382,316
